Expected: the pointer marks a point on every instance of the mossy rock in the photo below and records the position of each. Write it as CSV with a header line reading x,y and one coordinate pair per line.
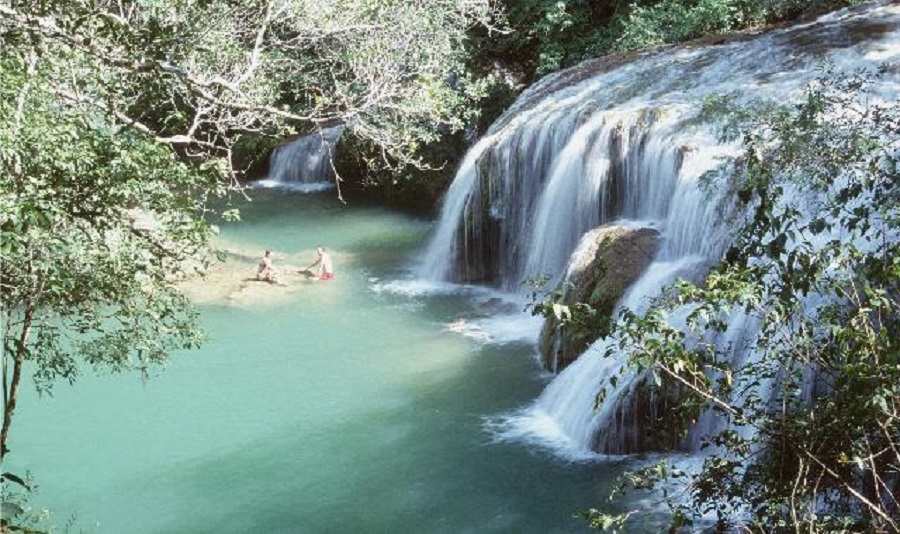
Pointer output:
x,y
606,262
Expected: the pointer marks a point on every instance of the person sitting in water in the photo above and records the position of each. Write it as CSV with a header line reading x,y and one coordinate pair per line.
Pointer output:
x,y
324,268
265,270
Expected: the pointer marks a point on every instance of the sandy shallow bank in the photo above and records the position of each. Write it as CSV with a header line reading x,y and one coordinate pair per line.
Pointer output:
x,y
233,282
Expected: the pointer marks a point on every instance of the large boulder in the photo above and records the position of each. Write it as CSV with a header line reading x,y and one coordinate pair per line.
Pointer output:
x,y
607,260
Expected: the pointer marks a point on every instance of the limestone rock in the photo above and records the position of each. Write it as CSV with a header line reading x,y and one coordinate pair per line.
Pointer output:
x,y
606,262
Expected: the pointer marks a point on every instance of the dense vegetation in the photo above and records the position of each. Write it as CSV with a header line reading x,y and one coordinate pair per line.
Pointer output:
x,y
550,34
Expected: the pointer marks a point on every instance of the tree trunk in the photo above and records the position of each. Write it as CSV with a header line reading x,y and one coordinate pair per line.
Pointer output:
x,y
18,358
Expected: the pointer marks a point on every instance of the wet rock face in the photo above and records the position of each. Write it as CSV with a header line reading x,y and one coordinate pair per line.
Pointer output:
x,y
637,424
606,262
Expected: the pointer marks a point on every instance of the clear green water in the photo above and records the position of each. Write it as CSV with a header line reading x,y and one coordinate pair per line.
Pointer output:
x,y
338,409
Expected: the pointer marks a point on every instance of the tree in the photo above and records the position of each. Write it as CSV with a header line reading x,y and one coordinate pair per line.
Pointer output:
x,y
96,224
207,77
811,418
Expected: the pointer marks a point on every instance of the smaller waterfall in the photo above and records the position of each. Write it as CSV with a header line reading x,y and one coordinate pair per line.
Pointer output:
x,y
304,163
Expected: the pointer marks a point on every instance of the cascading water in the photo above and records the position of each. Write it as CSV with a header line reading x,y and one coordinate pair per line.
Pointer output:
x,y
304,163
593,145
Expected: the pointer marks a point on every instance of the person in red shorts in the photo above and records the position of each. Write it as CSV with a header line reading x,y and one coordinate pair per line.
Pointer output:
x,y
323,265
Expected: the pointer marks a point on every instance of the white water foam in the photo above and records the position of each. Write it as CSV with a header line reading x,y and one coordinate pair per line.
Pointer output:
x,y
499,329
538,428
299,187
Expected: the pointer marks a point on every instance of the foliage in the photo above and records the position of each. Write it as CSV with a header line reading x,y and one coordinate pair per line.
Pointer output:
x,y
548,26
571,323
547,35
16,515
97,223
542,36
201,76
411,188
810,417
673,21
579,319
645,24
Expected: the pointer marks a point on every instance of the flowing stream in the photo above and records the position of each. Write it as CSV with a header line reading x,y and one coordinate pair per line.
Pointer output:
x,y
356,405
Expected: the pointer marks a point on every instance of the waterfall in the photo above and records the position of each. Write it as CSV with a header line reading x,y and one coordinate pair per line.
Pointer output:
x,y
304,163
593,145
